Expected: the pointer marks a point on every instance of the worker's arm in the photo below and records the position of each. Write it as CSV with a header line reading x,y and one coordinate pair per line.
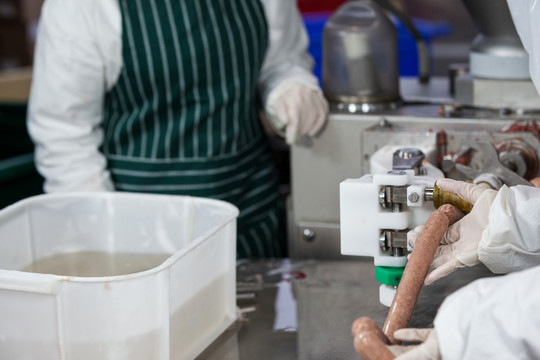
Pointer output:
x,y
495,318
525,15
69,81
511,241
289,91
501,231
287,58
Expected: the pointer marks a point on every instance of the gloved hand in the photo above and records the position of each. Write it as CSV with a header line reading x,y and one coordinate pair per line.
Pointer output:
x,y
460,242
427,350
295,110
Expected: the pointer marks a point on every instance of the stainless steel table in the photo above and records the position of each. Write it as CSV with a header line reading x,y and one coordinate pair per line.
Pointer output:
x,y
329,296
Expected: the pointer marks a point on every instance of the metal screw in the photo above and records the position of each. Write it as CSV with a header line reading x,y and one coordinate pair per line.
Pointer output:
x,y
407,153
382,198
382,241
448,110
448,163
414,197
308,235
384,123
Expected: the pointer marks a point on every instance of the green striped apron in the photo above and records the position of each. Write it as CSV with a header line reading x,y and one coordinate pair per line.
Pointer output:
x,y
182,117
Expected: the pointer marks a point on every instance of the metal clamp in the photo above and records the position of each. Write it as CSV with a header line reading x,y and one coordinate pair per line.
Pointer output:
x,y
395,240
489,163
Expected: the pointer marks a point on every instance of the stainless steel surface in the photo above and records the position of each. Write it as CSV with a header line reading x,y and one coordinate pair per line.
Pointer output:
x,y
329,298
308,234
513,161
324,244
488,162
517,95
408,159
353,106
436,92
408,153
395,195
498,34
360,63
496,52
428,193
455,70
394,240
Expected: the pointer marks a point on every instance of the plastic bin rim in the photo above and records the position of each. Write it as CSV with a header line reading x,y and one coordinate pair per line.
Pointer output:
x,y
171,260
105,194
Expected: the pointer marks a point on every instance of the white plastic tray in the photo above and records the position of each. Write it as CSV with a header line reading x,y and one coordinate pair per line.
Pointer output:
x,y
172,311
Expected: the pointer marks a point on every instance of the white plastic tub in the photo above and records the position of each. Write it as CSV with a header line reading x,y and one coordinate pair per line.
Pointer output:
x,y
171,311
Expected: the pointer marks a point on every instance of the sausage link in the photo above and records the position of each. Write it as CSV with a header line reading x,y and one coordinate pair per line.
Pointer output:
x,y
367,324
417,268
369,341
452,213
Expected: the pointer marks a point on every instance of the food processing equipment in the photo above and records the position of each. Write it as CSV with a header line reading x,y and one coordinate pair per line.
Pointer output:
x,y
487,126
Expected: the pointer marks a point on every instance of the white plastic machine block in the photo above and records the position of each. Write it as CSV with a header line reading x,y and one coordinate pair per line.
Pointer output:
x,y
386,294
398,178
363,218
415,195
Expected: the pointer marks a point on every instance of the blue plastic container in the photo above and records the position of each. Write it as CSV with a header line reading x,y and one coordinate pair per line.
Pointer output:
x,y
408,56
315,25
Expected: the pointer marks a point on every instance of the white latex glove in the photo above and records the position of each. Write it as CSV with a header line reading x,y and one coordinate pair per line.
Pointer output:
x,y
427,350
295,111
460,242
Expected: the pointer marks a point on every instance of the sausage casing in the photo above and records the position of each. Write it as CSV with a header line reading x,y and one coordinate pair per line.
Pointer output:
x,y
369,340
417,268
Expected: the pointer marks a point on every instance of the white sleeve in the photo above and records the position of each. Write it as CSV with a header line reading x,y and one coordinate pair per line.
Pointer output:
x,y
495,318
525,14
287,58
511,240
70,78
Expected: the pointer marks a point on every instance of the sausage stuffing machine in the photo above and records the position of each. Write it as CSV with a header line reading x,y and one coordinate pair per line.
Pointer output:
x,y
387,143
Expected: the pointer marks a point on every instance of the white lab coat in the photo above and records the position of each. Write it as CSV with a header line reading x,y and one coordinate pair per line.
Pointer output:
x,y
525,14
511,241
498,318
495,318
79,57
